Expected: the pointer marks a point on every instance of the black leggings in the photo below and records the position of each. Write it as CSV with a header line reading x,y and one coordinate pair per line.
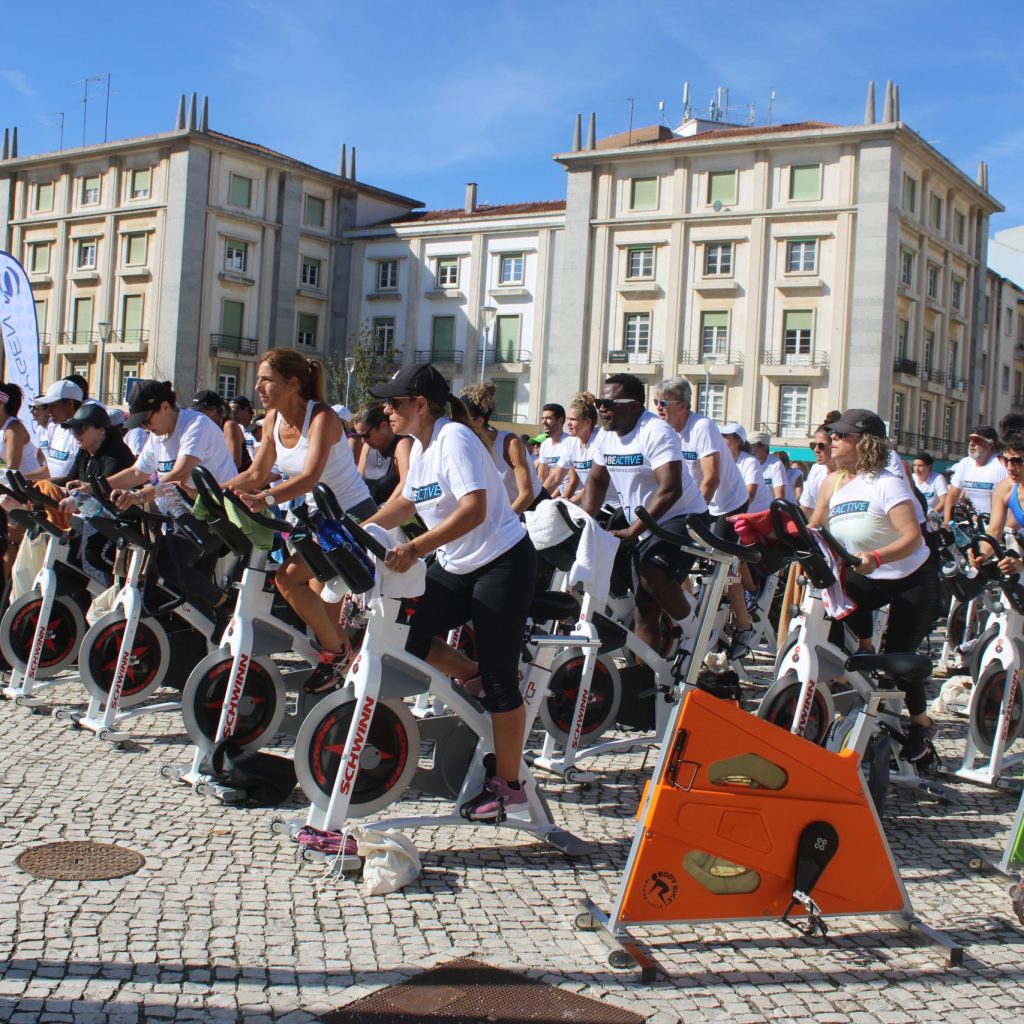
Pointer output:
x,y
496,598
913,605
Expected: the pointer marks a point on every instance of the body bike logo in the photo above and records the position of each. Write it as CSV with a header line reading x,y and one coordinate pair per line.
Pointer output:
x,y
235,696
587,464
690,456
426,492
165,467
978,485
846,508
352,764
624,460
1009,707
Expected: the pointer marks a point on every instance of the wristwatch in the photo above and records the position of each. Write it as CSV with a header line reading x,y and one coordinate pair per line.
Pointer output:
x,y
269,498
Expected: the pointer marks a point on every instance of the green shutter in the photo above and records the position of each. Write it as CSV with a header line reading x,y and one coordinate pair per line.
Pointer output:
x,y
132,321
83,319
240,191
41,315
805,182
314,211
722,187
443,338
231,318
140,181
506,347
136,250
308,325
714,319
44,196
643,194
504,399
799,320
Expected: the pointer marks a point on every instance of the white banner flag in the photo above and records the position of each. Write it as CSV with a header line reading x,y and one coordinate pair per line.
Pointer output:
x,y
20,333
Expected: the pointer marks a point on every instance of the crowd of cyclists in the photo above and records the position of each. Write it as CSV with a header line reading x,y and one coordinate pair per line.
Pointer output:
x,y
424,458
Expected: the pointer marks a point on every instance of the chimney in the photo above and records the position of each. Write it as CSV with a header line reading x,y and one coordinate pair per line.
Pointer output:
x,y
869,107
352,165
982,172
470,197
592,132
14,142
896,102
342,160
6,151
887,109
192,113
179,122
204,118
576,133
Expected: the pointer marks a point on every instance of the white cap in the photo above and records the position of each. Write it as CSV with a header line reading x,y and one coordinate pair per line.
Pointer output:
x,y
734,428
343,412
60,391
762,438
116,417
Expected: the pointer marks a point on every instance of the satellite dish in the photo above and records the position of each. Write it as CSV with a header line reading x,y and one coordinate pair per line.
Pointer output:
x,y
716,205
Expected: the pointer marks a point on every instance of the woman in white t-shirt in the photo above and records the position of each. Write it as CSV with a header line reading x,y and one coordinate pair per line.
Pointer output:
x,y
873,514
581,423
821,445
933,486
485,569
758,498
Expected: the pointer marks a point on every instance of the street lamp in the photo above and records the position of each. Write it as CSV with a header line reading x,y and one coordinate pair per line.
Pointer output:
x,y
350,365
488,313
104,327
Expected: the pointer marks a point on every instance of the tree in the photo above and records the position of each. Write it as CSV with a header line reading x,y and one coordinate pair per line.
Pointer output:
x,y
374,363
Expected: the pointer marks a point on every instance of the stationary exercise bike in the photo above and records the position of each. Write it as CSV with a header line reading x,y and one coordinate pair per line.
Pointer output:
x,y
359,749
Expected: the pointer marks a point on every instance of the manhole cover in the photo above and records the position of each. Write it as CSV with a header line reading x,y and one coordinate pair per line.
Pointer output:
x,y
469,992
80,862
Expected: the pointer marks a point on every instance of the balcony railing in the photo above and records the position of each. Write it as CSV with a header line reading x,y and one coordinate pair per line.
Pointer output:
x,y
507,356
132,336
932,374
621,355
795,359
908,366
439,355
787,429
698,357
909,442
234,343
77,337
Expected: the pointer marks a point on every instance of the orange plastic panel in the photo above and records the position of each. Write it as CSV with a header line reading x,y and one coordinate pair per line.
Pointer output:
x,y
728,850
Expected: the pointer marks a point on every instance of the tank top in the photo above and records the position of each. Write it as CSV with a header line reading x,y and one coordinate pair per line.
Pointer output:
x,y
381,472
1014,504
507,473
340,473
29,459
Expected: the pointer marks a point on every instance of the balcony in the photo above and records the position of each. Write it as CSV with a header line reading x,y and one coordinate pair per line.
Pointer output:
x,y
804,365
722,364
82,342
647,363
908,367
908,443
787,430
234,344
935,378
509,361
440,356
135,339
44,346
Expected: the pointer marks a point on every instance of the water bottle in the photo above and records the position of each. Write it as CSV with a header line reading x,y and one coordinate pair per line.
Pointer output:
x,y
169,502
960,537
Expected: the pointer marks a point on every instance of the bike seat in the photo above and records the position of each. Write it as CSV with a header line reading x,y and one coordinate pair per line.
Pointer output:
x,y
914,668
553,604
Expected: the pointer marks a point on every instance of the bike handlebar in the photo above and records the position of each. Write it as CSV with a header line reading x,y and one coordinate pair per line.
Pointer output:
x,y
32,495
703,534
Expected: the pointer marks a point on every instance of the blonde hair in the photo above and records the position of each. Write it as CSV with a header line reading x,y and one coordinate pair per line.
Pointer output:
x,y
872,454
480,398
294,365
583,404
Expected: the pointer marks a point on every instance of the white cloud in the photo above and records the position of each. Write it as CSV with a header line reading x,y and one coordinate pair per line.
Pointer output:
x,y
18,82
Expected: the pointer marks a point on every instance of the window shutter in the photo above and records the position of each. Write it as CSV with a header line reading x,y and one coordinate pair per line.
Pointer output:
x,y
805,182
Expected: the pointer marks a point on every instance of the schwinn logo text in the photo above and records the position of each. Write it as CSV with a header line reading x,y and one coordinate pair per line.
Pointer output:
x,y
805,708
427,492
352,764
624,460
578,730
235,696
1009,707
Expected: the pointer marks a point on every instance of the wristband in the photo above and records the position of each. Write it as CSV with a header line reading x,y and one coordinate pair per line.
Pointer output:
x,y
877,557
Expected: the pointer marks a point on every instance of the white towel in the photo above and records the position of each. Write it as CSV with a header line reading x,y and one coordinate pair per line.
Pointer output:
x,y
837,602
595,555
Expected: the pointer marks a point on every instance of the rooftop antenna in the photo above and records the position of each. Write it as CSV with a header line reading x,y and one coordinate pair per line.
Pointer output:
x,y
751,110
85,101
661,110
725,93
59,123
771,105
687,108
629,136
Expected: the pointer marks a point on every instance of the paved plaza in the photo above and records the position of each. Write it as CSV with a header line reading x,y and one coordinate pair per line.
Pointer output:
x,y
223,923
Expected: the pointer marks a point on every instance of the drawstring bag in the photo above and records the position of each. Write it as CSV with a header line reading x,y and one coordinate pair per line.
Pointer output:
x,y
390,860
102,603
27,563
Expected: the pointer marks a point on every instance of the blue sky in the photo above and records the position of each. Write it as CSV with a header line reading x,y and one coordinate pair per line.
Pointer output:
x,y
436,95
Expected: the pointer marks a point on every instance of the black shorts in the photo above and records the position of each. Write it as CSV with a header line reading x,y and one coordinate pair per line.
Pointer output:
x,y
660,554
723,528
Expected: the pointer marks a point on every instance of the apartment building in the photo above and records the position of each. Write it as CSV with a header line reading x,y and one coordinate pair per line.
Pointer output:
x,y
183,255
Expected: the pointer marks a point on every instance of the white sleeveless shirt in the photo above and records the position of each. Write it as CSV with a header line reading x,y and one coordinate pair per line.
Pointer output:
x,y
340,473
507,473
29,458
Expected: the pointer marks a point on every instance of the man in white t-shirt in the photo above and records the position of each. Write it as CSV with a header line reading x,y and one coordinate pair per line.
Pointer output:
x,y
772,469
551,467
641,456
61,400
975,476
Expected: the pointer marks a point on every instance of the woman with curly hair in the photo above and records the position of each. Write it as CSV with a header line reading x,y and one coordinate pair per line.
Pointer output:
x,y
873,513
581,423
515,466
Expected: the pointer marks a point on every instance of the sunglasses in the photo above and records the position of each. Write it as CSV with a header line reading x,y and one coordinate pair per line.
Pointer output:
x,y
841,436
395,402
363,437
610,403
664,403
818,446
1014,460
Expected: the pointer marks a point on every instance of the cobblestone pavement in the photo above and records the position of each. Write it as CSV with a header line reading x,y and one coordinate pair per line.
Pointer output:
x,y
224,924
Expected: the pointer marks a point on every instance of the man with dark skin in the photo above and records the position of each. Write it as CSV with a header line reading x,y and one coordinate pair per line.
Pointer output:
x,y
645,457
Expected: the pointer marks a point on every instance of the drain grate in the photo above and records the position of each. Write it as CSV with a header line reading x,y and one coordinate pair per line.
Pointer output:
x,y
80,861
469,992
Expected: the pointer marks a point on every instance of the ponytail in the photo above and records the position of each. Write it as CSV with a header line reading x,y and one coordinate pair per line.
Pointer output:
x,y
294,365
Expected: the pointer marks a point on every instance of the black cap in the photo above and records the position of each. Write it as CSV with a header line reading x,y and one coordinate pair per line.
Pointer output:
x,y
240,402
147,396
987,432
858,421
418,379
92,414
208,399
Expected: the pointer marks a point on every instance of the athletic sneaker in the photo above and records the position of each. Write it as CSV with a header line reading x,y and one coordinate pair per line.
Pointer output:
x,y
918,746
331,843
329,673
497,798
742,642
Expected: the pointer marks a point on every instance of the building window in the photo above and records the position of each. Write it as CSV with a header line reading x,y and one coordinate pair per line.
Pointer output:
x,y
902,333
947,425
505,400
511,269
909,194
929,351
232,316
127,374
86,258
383,334
717,259
135,250
236,255
954,359
91,190
802,256
507,332
307,330
227,382
643,193
897,416
40,305
1008,326
936,212
714,335
1006,380
39,258
313,213
711,401
442,339
794,406
44,197
933,281
907,267
131,318
310,272
140,184
387,275
924,424
722,188
83,321
637,333
640,262
797,335
805,182
959,228
240,191
448,272
956,293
